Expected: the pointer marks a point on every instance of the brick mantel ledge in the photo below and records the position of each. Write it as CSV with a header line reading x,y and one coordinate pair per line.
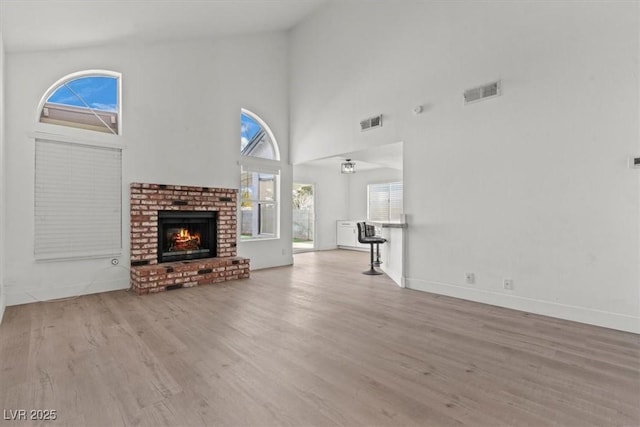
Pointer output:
x,y
171,275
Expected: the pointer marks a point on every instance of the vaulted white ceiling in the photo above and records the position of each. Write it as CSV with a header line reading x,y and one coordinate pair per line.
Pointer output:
x,y
31,25
36,25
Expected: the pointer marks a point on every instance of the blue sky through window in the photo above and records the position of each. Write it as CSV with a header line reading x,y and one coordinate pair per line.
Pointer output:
x,y
100,93
248,129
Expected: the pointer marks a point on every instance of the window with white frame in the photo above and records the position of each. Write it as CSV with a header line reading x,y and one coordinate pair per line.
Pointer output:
x,y
385,202
260,179
258,204
78,172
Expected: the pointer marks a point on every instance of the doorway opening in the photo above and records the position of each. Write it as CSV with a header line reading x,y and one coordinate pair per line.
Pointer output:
x,y
303,217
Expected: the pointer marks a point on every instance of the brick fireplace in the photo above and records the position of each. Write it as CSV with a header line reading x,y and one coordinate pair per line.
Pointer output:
x,y
155,264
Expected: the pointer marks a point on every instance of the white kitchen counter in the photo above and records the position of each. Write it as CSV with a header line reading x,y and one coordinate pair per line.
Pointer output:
x,y
392,253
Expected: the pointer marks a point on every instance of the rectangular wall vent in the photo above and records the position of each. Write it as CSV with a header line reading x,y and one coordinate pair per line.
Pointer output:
x,y
371,122
481,93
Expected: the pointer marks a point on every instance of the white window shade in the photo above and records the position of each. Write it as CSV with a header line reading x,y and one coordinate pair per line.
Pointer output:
x,y
78,200
385,202
395,201
378,202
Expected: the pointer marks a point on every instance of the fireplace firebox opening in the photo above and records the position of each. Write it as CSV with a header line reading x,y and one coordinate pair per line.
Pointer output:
x,y
186,235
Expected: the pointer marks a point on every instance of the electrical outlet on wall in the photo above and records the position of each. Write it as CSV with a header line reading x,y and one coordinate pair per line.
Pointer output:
x,y
508,284
470,278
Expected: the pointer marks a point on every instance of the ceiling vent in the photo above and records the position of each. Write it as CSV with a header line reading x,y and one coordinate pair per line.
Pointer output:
x,y
371,122
481,93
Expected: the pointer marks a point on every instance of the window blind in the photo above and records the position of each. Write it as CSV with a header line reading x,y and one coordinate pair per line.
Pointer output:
x,y
378,202
395,201
385,202
78,200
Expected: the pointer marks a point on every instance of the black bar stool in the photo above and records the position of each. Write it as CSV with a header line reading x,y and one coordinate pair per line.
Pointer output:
x,y
366,235
371,231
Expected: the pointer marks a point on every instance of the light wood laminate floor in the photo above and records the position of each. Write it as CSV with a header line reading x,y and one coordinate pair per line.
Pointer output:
x,y
317,344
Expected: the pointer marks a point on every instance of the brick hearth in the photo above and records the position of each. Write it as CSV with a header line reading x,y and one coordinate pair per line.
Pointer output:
x,y
149,276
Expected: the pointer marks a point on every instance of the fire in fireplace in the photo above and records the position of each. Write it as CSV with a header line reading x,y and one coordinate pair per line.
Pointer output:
x,y
185,235
183,240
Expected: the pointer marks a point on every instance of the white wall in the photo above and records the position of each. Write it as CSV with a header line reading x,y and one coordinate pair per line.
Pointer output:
x,y
532,186
181,120
2,179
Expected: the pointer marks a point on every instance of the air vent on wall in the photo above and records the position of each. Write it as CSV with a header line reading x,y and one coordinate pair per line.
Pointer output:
x,y
371,122
482,92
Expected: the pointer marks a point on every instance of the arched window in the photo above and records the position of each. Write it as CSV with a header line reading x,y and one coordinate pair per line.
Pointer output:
x,y
259,180
256,139
86,100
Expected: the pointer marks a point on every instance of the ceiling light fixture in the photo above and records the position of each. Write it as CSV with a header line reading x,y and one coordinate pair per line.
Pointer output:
x,y
348,167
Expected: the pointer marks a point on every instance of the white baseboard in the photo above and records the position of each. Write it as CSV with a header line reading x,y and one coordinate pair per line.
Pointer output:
x,y
354,248
287,261
562,311
2,305
26,296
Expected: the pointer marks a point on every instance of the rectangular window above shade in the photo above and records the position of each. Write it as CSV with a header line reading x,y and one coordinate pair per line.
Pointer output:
x,y
78,200
259,193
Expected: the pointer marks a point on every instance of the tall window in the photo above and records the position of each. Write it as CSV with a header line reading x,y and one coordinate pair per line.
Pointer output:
x,y
78,174
259,181
385,202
